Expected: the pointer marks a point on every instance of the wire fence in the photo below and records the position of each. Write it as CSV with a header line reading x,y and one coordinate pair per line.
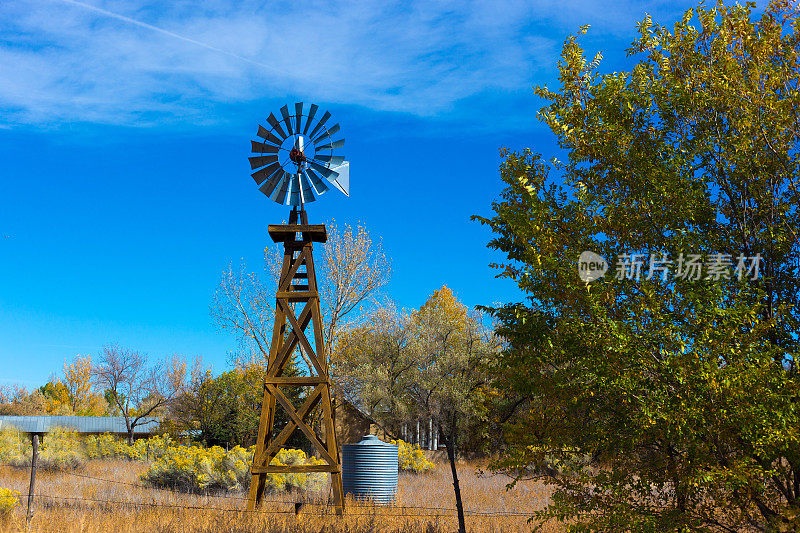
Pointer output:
x,y
325,508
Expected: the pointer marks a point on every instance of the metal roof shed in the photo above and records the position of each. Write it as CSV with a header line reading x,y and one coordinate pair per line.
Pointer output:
x,y
82,424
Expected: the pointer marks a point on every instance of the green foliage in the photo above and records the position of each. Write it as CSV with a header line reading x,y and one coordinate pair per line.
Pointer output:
x,y
227,408
412,457
430,363
683,393
9,499
200,469
194,468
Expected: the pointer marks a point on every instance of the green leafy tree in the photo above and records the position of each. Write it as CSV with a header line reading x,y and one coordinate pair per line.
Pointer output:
x,y
113,399
227,408
663,403
56,394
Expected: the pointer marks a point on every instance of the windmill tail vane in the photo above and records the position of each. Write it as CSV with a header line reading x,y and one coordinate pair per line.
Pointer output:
x,y
296,157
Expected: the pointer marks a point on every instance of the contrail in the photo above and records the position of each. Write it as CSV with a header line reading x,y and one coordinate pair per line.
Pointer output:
x,y
171,34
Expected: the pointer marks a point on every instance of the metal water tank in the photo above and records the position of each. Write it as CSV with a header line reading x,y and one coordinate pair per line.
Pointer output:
x,y
369,469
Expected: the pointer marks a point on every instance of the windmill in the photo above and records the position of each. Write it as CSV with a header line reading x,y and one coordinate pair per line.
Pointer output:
x,y
296,153
294,163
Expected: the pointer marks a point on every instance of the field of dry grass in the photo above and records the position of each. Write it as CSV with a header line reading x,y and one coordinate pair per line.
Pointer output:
x,y
80,503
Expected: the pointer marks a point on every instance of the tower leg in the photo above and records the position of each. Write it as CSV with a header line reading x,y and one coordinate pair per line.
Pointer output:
x,y
330,438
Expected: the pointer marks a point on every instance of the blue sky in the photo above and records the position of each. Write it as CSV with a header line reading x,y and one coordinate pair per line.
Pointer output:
x,y
124,137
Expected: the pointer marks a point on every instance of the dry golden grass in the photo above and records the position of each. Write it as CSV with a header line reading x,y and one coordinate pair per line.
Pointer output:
x,y
79,504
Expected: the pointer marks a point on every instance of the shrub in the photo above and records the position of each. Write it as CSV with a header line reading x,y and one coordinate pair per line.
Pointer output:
x,y
13,446
311,482
199,469
194,468
411,457
60,449
104,446
9,499
108,446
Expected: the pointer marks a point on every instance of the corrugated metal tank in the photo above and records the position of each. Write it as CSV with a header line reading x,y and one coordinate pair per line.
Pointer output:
x,y
369,469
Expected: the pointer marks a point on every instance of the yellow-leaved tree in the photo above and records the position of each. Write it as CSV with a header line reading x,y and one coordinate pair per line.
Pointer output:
x,y
350,270
78,380
429,363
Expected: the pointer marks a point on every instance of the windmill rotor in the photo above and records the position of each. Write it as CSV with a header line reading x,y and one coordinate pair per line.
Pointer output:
x,y
296,156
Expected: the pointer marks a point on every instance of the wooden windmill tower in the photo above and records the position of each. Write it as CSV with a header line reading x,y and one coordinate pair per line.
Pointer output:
x,y
295,155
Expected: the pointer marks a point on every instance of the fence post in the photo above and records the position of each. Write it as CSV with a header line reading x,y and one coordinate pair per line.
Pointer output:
x,y
34,460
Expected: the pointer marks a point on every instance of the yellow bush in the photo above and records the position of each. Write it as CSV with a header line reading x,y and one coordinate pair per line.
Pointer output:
x,y
59,449
9,499
13,446
411,457
108,446
102,446
212,469
62,448
310,481
200,469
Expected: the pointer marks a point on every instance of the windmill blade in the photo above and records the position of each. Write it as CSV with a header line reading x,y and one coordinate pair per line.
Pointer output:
x,y
262,160
325,171
332,160
280,192
316,181
342,179
298,116
276,126
327,134
287,119
311,113
332,146
264,148
267,135
265,173
319,125
269,186
306,191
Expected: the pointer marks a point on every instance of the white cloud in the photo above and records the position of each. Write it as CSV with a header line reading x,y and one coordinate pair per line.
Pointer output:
x,y
122,62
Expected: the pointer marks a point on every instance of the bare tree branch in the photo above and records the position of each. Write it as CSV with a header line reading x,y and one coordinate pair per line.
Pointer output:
x,y
138,390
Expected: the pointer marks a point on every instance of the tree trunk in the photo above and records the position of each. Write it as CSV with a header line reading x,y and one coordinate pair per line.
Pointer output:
x,y
449,442
130,436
